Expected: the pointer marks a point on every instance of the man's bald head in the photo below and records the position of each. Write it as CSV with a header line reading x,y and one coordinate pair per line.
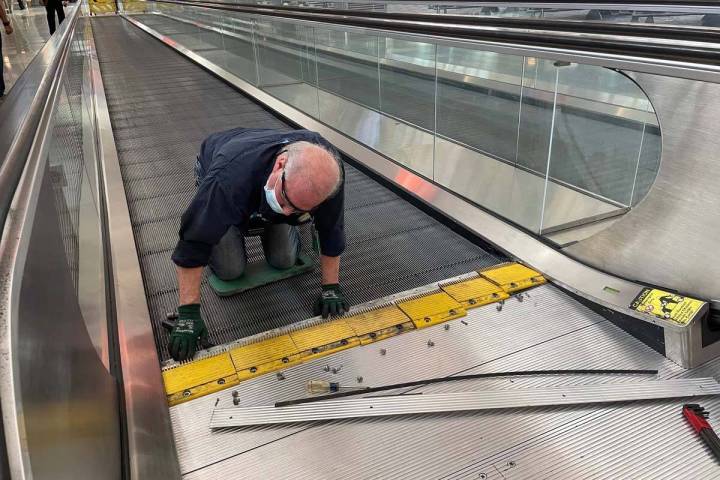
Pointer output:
x,y
312,174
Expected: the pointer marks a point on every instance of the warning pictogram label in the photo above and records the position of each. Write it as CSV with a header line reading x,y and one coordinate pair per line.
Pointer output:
x,y
668,306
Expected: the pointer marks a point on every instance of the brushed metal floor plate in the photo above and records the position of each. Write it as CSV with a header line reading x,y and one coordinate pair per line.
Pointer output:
x,y
546,330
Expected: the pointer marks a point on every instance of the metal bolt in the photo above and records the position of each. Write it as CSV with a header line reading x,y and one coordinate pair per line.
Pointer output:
x,y
482,476
383,351
236,397
472,301
430,343
359,379
372,334
511,463
427,319
500,305
285,360
280,376
452,311
253,369
495,295
326,368
186,393
221,381
519,297
446,327
343,342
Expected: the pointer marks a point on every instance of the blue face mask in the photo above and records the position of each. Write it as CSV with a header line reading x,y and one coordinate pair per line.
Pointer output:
x,y
272,200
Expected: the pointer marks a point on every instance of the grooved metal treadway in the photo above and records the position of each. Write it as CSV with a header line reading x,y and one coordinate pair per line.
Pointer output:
x,y
161,107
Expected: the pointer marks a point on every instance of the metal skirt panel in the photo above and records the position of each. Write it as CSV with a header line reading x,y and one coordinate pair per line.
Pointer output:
x,y
158,125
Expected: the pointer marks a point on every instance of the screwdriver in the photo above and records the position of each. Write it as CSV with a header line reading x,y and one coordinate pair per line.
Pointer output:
x,y
697,417
321,386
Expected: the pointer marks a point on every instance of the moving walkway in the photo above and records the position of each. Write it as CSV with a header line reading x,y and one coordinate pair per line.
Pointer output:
x,y
462,155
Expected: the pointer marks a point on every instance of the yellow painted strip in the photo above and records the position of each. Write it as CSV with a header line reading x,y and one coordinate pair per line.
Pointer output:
x,y
432,309
208,375
202,390
513,277
199,372
375,320
475,292
266,351
322,334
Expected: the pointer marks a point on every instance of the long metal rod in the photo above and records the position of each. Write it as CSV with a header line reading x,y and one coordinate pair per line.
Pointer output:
x,y
428,381
464,401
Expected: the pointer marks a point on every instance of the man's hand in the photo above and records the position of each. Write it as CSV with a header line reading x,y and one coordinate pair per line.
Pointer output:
x,y
8,29
331,302
188,332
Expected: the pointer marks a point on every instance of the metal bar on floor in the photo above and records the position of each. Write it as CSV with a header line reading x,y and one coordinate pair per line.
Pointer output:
x,y
463,401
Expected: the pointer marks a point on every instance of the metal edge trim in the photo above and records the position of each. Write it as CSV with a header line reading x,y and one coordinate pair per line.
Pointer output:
x,y
13,246
569,273
151,446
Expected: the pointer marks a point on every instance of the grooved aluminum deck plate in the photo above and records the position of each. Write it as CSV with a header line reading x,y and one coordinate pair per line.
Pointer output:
x,y
547,330
161,107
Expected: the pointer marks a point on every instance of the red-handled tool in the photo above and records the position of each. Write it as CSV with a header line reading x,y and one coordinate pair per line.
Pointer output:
x,y
697,417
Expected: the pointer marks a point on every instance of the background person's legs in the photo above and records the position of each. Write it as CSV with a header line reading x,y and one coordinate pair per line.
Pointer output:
x,y
50,12
228,258
281,245
2,72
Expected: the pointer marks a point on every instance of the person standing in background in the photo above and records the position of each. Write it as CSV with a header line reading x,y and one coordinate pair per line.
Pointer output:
x,y
8,31
52,6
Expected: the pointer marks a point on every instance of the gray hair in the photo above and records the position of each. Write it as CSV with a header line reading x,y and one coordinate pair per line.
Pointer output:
x,y
294,151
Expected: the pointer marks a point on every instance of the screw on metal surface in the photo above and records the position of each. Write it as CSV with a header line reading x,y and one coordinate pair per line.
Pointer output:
x,y
482,476
446,326
383,351
511,463
186,393
285,360
472,301
359,379
253,369
519,297
326,368
221,381
280,376
430,343
500,305
427,319
236,397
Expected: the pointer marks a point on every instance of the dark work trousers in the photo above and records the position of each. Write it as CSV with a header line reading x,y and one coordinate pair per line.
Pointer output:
x,y
52,7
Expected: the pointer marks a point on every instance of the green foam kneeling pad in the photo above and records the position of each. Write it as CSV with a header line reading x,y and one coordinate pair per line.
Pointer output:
x,y
258,274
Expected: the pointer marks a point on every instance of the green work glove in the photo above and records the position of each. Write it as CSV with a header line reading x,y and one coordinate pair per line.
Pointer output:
x,y
331,302
189,330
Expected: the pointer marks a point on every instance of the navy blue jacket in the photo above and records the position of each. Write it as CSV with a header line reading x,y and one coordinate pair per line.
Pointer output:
x,y
233,166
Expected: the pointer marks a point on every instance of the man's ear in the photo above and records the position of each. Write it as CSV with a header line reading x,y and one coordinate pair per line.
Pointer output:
x,y
280,161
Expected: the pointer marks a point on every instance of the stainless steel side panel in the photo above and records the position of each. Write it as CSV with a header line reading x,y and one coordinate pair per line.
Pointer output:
x,y
671,238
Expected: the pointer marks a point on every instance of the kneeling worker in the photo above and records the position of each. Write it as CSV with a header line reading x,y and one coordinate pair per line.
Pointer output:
x,y
250,178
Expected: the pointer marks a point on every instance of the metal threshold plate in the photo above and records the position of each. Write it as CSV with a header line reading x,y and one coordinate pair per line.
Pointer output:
x,y
464,401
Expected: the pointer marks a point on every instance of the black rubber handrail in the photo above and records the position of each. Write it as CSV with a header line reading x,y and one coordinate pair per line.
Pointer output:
x,y
648,41
644,30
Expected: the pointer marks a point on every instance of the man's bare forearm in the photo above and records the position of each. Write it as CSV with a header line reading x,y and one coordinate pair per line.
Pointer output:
x,y
189,284
330,267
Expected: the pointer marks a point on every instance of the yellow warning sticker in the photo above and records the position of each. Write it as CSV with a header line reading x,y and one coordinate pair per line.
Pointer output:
x,y
668,306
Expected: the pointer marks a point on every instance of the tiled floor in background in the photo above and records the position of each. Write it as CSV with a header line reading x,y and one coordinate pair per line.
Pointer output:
x,y
30,34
